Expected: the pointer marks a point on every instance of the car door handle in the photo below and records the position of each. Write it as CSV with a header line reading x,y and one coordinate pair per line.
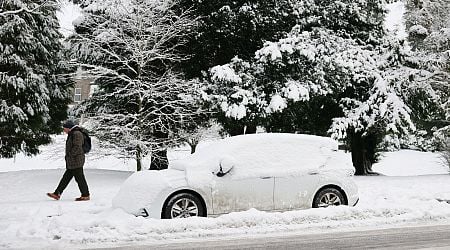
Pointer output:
x,y
266,177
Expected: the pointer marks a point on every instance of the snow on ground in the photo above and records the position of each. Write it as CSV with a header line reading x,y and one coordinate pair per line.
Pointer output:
x,y
28,219
52,157
410,162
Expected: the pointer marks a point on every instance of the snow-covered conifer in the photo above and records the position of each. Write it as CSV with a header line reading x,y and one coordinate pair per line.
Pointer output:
x,y
34,92
337,61
229,28
428,25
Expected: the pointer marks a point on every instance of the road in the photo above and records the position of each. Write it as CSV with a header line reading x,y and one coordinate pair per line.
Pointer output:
x,y
428,237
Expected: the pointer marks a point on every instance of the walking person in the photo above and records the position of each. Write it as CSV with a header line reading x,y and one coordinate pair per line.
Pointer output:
x,y
74,163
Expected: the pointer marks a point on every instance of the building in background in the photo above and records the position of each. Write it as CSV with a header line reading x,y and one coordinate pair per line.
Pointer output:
x,y
83,88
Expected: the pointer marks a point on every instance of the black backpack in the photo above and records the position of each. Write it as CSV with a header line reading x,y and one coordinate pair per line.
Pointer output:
x,y
87,145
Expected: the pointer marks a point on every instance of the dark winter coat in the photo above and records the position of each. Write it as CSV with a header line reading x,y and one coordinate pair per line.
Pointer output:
x,y
74,149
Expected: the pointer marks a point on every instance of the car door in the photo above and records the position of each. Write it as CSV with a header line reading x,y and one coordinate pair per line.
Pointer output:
x,y
233,194
295,192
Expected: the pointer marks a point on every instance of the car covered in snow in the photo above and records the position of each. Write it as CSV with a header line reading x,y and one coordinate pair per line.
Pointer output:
x,y
268,172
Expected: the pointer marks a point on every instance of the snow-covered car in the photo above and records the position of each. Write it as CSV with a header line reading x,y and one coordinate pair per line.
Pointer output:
x,y
268,172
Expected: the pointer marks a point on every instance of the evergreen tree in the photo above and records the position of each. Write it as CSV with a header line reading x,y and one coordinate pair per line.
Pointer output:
x,y
427,24
34,92
347,66
229,28
141,104
225,28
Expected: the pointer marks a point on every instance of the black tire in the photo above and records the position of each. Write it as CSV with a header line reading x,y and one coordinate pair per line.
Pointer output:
x,y
183,205
329,197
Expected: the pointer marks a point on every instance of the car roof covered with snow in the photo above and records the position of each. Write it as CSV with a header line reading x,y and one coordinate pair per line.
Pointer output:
x,y
262,154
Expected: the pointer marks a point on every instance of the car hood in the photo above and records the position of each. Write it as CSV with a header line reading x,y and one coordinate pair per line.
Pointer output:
x,y
142,188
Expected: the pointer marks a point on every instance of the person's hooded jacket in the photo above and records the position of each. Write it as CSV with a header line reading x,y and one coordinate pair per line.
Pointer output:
x,y
74,149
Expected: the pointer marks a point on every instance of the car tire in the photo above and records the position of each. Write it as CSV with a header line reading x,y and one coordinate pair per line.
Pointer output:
x,y
328,197
183,205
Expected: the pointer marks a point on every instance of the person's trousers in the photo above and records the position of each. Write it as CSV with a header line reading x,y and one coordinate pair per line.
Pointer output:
x,y
79,178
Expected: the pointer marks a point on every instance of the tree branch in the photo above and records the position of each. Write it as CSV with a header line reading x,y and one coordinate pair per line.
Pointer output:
x,y
14,12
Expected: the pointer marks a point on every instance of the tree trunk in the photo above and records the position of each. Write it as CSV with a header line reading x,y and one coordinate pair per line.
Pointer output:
x,y
139,164
159,155
193,147
159,160
241,130
138,158
250,129
363,152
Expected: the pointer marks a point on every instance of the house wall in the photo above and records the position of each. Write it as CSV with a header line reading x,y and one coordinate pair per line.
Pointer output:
x,y
85,86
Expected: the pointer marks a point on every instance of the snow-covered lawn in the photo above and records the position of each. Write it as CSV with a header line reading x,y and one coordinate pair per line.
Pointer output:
x,y
28,219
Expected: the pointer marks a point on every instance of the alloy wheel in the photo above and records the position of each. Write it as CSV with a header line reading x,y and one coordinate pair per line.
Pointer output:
x,y
329,199
184,208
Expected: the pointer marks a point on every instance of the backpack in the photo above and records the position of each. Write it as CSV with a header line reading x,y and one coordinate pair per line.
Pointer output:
x,y
87,145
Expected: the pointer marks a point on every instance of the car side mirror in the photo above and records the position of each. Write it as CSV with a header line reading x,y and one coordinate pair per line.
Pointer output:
x,y
225,166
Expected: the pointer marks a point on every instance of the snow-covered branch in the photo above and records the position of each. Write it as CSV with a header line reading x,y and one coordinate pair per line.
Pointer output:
x,y
130,48
22,9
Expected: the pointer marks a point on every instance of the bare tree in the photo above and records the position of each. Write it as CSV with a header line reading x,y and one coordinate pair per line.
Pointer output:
x,y
131,48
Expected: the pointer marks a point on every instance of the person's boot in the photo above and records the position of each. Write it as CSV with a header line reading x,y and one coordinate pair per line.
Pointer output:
x,y
83,198
54,196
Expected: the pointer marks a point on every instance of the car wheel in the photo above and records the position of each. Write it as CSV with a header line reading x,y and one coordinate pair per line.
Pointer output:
x,y
328,197
183,205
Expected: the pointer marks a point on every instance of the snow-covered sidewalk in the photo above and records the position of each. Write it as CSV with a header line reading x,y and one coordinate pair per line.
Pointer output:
x,y
28,219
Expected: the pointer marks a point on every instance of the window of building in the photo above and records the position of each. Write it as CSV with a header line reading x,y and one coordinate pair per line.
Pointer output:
x,y
77,96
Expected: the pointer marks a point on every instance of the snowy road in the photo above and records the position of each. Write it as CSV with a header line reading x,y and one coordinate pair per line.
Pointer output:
x,y
435,237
